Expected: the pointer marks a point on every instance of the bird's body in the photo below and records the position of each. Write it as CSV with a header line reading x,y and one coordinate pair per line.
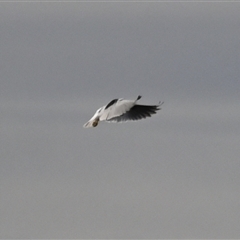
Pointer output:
x,y
121,110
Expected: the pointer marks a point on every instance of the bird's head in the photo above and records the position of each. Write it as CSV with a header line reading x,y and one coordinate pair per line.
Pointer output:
x,y
93,122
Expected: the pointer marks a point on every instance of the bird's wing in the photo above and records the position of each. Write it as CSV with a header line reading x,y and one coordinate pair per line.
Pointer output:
x,y
136,112
116,109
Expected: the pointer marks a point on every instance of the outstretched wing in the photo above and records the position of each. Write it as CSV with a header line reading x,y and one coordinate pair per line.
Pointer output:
x,y
137,112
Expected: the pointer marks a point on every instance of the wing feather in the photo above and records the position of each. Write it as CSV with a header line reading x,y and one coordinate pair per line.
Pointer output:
x,y
137,112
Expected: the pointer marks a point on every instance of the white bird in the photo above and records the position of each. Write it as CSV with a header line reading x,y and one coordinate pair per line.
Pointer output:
x,y
121,110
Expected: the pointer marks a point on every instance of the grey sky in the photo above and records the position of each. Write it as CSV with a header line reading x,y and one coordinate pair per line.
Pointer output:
x,y
175,175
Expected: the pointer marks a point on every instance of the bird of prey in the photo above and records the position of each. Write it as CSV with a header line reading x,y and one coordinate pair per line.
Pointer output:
x,y
121,110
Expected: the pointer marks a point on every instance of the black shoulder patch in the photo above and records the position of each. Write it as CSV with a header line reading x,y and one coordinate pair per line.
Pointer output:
x,y
111,103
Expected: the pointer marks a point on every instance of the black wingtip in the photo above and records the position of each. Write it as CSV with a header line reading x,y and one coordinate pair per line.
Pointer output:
x,y
139,96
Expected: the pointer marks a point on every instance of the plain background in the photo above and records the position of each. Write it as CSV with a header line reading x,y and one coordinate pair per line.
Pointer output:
x,y
175,175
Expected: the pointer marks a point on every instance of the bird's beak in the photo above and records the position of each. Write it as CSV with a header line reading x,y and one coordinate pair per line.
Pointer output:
x,y
91,123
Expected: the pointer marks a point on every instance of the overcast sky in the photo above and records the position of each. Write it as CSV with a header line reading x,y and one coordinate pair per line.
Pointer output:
x,y
175,175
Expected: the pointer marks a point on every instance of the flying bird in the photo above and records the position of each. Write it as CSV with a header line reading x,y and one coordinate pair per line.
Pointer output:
x,y
121,110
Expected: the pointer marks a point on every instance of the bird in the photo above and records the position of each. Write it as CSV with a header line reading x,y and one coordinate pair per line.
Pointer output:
x,y
122,110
